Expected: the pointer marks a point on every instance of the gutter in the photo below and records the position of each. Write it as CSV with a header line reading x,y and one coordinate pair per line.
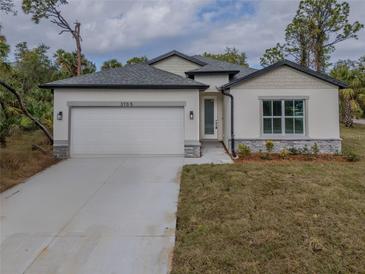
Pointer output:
x,y
232,121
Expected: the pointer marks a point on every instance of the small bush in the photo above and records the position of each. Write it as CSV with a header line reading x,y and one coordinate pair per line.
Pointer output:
x,y
305,150
294,151
269,146
243,151
284,154
352,157
315,149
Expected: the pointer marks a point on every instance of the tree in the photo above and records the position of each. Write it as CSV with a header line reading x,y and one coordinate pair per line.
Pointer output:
x,y
7,121
33,66
25,110
352,99
136,60
328,24
112,63
4,48
49,9
272,55
68,64
230,55
317,27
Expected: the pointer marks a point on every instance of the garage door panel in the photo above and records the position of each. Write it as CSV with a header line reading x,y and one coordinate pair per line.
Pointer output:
x,y
109,131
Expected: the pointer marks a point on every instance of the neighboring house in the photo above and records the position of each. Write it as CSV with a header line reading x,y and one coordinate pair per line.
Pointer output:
x,y
171,104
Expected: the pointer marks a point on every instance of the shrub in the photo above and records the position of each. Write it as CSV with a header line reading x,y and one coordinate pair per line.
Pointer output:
x,y
26,123
284,154
305,150
352,157
243,151
294,151
269,146
315,149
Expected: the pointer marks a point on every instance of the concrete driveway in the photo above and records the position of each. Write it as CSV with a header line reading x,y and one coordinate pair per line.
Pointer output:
x,y
101,215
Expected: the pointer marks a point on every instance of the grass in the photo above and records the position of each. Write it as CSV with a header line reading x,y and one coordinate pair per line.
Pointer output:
x,y
274,217
18,161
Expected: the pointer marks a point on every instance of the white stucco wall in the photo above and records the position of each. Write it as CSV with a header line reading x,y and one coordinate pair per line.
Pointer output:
x,y
213,80
176,64
63,96
322,104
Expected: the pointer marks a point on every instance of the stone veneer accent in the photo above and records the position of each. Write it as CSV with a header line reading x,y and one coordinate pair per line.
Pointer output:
x,y
192,150
331,146
60,151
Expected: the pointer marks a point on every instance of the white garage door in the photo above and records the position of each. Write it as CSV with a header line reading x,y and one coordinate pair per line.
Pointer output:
x,y
128,131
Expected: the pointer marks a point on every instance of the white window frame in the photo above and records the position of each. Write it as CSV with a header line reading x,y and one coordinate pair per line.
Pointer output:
x,y
283,134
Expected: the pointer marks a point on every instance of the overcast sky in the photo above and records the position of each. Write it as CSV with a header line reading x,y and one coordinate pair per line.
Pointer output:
x,y
122,29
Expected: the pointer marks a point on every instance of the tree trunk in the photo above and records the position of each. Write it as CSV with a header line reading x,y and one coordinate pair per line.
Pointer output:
x,y
26,112
2,104
319,52
347,112
77,37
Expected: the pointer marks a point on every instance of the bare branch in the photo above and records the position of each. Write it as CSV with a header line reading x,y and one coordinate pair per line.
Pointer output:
x,y
25,110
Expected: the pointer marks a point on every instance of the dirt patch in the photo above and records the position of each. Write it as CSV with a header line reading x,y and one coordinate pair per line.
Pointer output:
x,y
18,161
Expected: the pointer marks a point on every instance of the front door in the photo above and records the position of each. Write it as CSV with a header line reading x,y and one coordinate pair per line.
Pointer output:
x,y
210,117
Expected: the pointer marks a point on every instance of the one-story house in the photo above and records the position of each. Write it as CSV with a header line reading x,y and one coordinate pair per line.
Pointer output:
x,y
171,104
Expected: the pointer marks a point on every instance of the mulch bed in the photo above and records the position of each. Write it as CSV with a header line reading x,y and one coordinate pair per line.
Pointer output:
x,y
275,157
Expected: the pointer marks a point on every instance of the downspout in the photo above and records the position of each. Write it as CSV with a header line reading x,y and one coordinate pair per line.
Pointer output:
x,y
232,122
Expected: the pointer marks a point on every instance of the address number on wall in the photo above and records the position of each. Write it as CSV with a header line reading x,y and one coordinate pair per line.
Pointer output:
x,y
126,104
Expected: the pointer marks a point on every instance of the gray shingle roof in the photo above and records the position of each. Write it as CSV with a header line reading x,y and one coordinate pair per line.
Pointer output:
x,y
220,66
129,76
290,64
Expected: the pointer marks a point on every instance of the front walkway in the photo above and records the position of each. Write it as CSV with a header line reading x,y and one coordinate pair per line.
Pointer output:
x,y
213,152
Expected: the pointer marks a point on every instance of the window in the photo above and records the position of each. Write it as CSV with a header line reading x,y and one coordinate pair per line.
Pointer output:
x,y
284,117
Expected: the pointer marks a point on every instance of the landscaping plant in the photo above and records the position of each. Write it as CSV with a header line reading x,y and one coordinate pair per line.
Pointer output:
x,y
243,151
315,149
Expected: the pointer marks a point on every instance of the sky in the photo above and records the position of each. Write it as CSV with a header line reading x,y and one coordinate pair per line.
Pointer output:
x,y
125,28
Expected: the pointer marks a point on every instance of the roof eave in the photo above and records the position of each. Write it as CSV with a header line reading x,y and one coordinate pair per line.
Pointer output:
x,y
88,86
212,72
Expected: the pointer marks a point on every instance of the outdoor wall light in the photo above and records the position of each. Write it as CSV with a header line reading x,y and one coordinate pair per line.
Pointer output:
x,y
59,115
191,115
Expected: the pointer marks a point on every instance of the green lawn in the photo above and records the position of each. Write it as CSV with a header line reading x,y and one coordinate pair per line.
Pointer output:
x,y
274,217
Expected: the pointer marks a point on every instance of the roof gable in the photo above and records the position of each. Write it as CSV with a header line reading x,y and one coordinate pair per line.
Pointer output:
x,y
216,66
318,75
176,53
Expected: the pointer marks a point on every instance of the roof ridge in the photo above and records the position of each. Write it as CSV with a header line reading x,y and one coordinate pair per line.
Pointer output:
x,y
131,76
178,53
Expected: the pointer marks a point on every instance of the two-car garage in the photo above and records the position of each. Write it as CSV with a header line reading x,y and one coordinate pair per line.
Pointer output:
x,y
98,131
132,110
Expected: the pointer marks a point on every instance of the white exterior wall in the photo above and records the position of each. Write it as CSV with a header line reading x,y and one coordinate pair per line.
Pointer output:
x,y
62,97
213,80
175,64
322,104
